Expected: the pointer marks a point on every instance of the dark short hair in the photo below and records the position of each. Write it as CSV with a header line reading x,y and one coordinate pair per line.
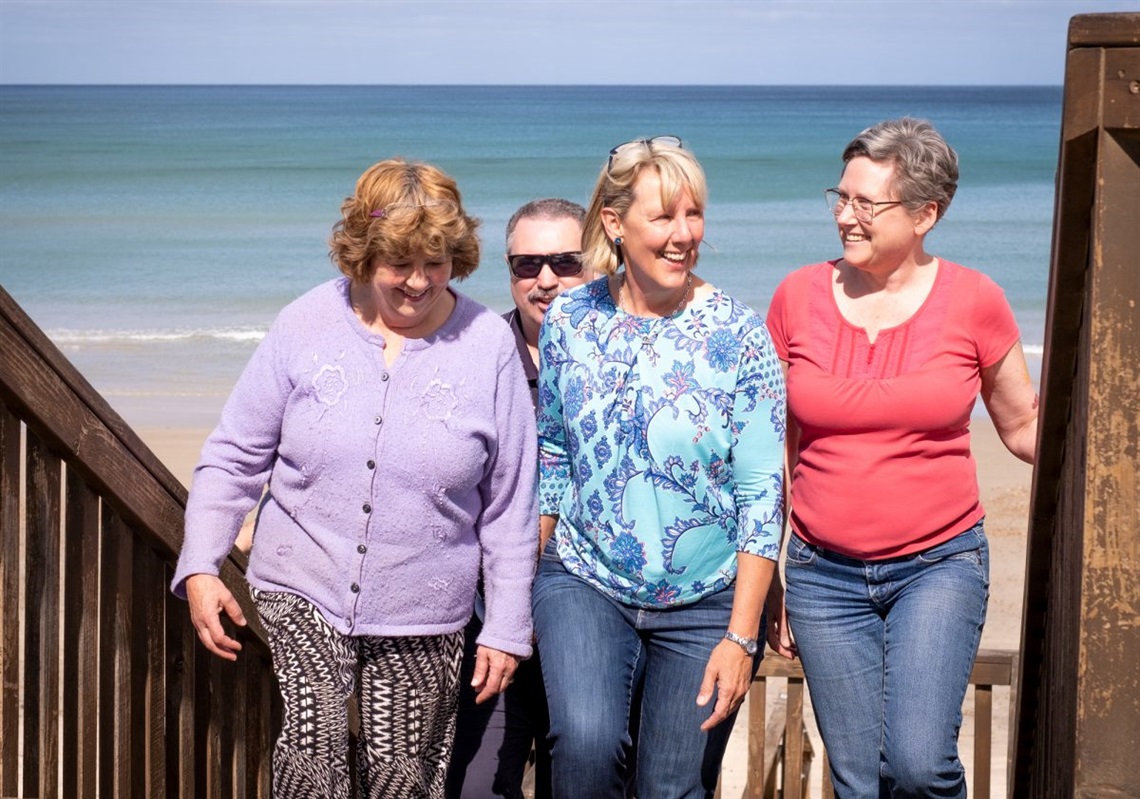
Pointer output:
x,y
551,208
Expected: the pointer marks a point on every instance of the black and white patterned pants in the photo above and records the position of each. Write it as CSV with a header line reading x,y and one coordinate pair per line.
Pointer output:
x,y
408,694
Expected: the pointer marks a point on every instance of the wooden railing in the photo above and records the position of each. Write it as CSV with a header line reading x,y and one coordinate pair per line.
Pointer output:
x,y
106,690
780,751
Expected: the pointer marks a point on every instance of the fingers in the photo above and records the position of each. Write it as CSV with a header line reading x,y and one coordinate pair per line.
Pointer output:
x,y
213,637
493,672
209,598
779,633
780,639
707,685
729,672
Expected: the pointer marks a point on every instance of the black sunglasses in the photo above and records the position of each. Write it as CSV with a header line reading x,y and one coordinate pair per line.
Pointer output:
x,y
647,143
562,264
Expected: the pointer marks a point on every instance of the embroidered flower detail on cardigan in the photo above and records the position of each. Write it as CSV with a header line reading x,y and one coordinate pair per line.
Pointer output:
x,y
330,384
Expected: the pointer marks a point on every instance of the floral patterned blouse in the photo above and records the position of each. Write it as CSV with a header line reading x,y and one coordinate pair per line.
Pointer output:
x,y
661,444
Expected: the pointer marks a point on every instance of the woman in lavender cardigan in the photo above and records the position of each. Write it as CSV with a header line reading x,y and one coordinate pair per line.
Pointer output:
x,y
390,417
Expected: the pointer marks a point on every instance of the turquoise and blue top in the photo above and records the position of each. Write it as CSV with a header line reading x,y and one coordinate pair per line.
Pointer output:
x,y
661,444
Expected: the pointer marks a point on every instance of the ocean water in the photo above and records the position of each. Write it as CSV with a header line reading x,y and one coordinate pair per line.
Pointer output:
x,y
154,232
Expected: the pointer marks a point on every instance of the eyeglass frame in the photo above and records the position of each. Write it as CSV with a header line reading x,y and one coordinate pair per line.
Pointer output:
x,y
557,261
667,139
837,207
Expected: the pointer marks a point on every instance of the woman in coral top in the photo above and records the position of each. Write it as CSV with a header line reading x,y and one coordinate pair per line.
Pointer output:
x,y
886,350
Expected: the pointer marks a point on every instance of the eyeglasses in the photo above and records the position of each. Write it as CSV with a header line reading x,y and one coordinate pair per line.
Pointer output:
x,y
863,208
562,264
663,141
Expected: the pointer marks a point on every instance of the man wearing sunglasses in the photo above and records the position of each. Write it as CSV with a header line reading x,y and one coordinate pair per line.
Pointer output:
x,y
544,256
493,740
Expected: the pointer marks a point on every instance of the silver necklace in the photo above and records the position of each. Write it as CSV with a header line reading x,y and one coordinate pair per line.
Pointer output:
x,y
674,312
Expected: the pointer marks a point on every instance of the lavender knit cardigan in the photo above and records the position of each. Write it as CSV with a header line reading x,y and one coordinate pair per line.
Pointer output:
x,y
388,486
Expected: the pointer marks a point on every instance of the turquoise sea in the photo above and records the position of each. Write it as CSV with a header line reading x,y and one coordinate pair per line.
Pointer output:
x,y
154,232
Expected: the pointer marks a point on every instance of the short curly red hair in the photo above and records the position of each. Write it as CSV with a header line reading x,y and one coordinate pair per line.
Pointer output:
x,y
402,209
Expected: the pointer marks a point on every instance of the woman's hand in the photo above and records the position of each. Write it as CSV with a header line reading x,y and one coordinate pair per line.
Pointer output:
x,y
493,672
779,634
729,671
208,597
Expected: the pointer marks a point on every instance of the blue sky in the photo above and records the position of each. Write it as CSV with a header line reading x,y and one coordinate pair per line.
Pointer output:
x,y
844,42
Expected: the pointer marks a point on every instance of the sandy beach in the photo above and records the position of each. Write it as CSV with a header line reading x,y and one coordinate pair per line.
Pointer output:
x,y
1005,484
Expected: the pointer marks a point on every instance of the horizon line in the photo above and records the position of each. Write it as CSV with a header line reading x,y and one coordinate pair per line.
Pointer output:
x,y
5,84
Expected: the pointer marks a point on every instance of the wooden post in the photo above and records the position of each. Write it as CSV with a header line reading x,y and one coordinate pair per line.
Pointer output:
x,y
1079,698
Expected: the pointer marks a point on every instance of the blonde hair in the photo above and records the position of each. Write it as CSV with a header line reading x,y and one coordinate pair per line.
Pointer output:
x,y
402,209
678,170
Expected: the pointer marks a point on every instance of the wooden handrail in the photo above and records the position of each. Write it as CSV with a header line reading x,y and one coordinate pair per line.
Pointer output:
x,y
90,527
780,750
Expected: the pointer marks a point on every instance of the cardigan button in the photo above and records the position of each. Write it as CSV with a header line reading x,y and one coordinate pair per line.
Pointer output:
x,y
384,378
377,420
367,508
371,464
361,549
355,588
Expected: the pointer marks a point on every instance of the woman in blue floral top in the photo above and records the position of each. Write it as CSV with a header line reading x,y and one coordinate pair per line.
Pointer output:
x,y
661,430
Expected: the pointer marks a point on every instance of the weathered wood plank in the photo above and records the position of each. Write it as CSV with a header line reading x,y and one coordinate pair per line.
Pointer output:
x,y
1104,30
180,705
115,624
148,670
983,740
41,620
794,740
10,471
80,636
775,733
1077,699
757,713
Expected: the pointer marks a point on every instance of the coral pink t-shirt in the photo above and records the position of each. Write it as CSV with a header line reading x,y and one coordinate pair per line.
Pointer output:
x,y
884,465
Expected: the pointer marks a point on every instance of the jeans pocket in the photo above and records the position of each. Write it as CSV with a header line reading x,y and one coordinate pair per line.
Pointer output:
x,y
550,561
969,545
800,552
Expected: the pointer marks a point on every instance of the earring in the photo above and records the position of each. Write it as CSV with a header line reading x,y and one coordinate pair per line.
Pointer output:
x,y
617,241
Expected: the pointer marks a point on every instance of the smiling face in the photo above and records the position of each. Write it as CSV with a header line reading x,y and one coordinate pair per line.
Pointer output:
x,y
660,244
894,235
541,236
410,295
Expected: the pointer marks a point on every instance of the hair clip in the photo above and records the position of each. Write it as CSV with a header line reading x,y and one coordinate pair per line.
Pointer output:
x,y
379,213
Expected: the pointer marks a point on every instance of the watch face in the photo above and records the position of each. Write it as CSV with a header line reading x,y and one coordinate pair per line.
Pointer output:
x,y
747,644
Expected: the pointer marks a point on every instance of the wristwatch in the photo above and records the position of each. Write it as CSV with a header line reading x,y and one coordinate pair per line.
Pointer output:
x,y
749,645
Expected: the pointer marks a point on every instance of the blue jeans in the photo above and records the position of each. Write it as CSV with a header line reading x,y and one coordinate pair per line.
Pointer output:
x,y
598,656
887,647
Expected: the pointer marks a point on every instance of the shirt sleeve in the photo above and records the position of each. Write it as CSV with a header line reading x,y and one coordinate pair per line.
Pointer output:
x,y
775,321
994,323
553,455
508,525
758,420
235,464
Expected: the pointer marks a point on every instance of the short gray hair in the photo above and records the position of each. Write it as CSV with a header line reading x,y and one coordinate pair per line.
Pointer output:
x,y
926,167
550,208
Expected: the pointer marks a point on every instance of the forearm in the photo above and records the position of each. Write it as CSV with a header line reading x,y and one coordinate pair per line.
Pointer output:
x,y
1021,440
753,578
